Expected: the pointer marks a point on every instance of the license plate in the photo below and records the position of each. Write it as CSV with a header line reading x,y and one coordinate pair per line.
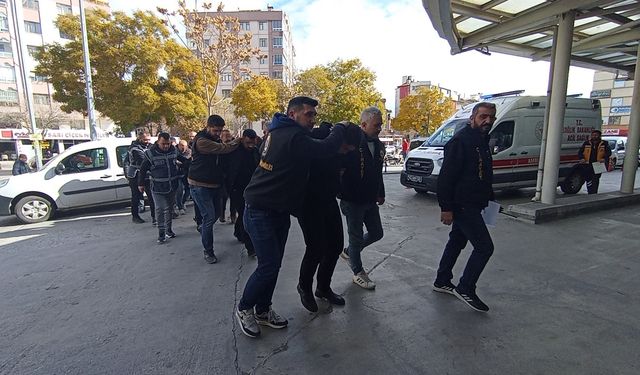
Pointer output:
x,y
414,178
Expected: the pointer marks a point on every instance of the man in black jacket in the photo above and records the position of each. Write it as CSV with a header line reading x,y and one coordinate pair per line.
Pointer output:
x,y
206,176
242,163
276,191
361,194
321,222
464,190
133,161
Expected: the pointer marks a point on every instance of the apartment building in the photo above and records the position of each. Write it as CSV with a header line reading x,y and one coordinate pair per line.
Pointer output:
x,y
410,86
615,93
271,33
38,29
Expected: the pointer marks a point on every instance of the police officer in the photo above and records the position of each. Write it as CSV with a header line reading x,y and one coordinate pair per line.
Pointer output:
x,y
464,190
160,162
132,162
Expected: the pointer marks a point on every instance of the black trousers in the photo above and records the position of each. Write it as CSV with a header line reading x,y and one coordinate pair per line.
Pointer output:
x,y
137,196
237,200
321,225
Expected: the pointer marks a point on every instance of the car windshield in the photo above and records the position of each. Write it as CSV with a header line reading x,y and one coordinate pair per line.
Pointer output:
x,y
612,145
446,132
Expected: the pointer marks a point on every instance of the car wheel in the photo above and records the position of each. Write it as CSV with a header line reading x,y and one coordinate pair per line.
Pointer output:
x,y
573,183
33,209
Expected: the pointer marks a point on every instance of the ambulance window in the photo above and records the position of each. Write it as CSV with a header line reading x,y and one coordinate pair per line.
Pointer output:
x,y
446,132
502,136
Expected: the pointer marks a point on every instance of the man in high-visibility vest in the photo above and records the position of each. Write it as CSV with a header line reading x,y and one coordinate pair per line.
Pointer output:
x,y
595,150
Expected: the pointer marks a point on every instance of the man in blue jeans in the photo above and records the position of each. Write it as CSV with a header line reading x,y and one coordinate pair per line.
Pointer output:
x,y
464,189
206,176
362,191
276,190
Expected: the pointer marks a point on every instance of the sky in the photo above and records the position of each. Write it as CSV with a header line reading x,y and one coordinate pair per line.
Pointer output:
x,y
393,38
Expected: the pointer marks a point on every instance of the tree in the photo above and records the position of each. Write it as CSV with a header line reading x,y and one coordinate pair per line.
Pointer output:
x,y
343,88
137,70
218,44
49,118
256,98
423,112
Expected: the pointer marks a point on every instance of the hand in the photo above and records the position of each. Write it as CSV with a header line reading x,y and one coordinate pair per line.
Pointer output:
x,y
446,217
380,201
141,189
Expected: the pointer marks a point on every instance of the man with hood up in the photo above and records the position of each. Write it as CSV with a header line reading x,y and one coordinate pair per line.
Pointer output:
x,y
275,192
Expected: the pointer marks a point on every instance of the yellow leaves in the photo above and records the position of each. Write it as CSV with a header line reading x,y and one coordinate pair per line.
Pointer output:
x,y
423,112
256,98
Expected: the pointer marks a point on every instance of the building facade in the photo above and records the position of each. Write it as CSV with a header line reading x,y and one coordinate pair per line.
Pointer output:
x,y
271,33
410,86
615,94
38,29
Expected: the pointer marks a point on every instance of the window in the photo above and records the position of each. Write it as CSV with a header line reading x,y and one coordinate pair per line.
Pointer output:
x,y
263,42
5,49
63,9
245,26
32,27
277,42
501,137
264,74
41,99
37,78
226,77
276,25
4,22
277,59
276,74
32,50
618,83
7,74
8,97
64,35
31,4
226,93
261,25
617,102
121,152
84,161
614,120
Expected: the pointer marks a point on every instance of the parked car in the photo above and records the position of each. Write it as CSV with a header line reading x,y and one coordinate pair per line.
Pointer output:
x,y
617,146
85,175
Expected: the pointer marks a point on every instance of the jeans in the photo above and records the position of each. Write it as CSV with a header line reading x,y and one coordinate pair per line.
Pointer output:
x,y
207,200
468,226
180,193
164,206
268,231
321,225
359,214
239,230
137,196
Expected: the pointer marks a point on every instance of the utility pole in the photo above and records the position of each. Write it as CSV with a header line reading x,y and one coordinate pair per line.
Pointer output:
x,y
18,25
87,75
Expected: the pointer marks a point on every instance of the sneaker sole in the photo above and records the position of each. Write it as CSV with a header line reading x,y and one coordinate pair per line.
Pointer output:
x,y
247,333
467,303
268,324
364,287
443,290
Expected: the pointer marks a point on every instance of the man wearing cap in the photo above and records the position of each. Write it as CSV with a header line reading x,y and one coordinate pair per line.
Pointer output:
x,y
206,176
242,163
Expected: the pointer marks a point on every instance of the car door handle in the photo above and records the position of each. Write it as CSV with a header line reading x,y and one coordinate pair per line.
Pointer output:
x,y
524,152
120,175
105,176
513,154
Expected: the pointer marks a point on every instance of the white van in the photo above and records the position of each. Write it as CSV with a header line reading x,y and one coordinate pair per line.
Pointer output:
x,y
84,175
515,142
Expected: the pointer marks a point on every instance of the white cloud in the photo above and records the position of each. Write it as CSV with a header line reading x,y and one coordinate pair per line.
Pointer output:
x,y
394,38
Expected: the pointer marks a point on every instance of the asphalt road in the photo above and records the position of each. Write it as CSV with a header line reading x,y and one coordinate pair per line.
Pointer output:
x,y
92,293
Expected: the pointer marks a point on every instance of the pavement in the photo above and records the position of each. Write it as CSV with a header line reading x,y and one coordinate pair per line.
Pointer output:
x,y
92,293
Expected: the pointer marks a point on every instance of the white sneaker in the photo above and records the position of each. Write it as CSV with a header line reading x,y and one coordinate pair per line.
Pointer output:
x,y
248,323
362,280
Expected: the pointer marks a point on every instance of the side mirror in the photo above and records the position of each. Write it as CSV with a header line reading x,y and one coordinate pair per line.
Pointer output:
x,y
60,168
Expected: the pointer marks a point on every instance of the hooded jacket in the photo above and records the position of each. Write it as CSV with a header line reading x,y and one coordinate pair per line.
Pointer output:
x,y
280,181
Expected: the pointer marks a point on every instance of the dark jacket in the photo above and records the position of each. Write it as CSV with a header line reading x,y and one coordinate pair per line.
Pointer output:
x,y
134,158
467,171
324,174
362,178
162,168
183,168
240,167
280,181
207,164
20,167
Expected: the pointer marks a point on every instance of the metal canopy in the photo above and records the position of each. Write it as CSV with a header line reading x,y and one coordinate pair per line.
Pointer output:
x,y
605,36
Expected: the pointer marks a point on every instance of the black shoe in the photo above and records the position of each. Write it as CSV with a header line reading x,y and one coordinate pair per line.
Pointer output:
x,y
307,299
331,297
162,239
199,228
154,222
447,287
222,220
170,234
175,215
251,254
471,299
137,220
210,257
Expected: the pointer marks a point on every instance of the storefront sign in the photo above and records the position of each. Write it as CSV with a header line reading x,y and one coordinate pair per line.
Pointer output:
x,y
48,134
597,94
620,110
